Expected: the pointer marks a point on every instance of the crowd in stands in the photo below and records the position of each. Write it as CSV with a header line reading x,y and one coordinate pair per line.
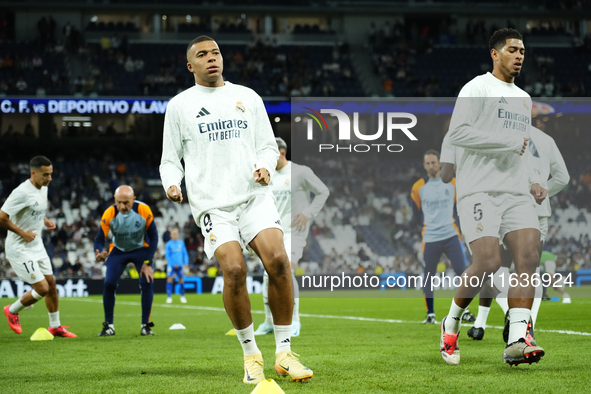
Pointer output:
x,y
38,67
424,60
270,69
367,224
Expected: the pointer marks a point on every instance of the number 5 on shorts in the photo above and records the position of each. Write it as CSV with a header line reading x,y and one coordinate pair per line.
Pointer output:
x,y
477,212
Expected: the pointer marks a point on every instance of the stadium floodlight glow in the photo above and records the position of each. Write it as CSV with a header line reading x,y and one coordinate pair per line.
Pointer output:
x,y
277,119
188,18
164,17
298,119
94,18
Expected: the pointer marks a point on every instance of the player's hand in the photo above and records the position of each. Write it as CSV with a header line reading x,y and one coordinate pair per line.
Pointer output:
x,y
28,236
524,147
100,256
262,176
49,224
539,193
147,272
299,222
174,194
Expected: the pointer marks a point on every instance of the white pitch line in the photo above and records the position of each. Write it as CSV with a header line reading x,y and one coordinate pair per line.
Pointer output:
x,y
358,318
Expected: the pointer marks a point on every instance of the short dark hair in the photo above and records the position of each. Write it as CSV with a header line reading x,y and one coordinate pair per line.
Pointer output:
x,y
198,40
500,37
432,152
39,161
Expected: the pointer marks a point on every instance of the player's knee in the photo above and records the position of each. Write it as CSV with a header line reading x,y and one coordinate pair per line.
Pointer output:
x,y
235,275
278,264
110,286
527,260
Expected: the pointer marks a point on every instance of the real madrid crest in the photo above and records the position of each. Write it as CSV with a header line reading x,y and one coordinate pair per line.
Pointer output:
x,y
240,107
212,239
479,228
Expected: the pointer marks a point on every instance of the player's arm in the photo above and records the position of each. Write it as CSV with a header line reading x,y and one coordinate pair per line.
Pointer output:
x,y
416,198
151,231
185,254
49,224
559,172
152,239
266,147
5,222
535,179
103,232
448,160
448,171
311,183
171,169
462,132
168,251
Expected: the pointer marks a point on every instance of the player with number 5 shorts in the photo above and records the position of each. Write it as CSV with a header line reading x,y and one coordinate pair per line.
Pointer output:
x,y
495,181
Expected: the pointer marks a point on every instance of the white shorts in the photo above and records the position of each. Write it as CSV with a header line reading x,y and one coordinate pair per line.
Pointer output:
x,y
239,223
32,269
495,215
550,267
543,228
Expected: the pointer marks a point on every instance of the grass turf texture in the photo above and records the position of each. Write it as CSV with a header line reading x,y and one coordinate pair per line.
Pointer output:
x,y
347,355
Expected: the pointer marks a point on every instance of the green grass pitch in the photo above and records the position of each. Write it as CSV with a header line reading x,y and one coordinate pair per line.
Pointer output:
x,y
390,351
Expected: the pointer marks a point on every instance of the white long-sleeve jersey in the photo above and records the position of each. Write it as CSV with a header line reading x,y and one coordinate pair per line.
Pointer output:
x,y
292,186
490,120
548,161
223,135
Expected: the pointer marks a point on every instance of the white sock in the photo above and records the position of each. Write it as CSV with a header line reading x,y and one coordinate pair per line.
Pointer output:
x,y
246,338
268,314
296,310
452,323
519,318
296,299
16,307
482,316
282,337
503,303
535,308
54,319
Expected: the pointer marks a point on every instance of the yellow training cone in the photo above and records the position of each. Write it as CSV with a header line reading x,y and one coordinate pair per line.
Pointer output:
x,y
267,387
41,335
231,332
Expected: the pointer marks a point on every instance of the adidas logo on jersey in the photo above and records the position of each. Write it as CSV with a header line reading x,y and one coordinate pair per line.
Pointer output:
x,y
203,112
503,101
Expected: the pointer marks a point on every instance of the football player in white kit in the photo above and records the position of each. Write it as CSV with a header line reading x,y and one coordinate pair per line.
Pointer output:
x,y
23,215
223,134
292,185
548,161
495,184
